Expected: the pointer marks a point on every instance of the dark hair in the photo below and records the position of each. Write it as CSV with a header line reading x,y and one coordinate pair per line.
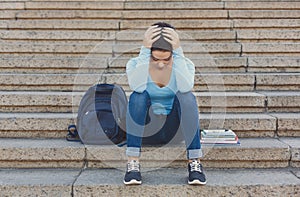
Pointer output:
x,y
161,44
163,24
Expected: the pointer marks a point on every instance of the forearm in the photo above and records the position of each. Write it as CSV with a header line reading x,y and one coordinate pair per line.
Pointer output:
x,y
137,70
184,71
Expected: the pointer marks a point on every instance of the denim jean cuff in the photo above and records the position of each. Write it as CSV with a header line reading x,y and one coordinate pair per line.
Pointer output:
x,y
194,154
133,151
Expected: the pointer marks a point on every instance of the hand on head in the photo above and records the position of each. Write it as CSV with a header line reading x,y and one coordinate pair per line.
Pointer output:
x,y
171,36
153,33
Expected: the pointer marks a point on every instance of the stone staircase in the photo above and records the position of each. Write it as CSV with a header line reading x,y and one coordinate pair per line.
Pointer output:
x,y
247,62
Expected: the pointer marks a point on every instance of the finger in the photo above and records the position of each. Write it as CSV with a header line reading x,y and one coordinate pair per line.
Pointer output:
x,y
170,32
155,38
169,40
167,36
155,34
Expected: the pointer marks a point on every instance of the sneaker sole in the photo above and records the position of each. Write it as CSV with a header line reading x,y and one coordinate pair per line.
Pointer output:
x,y
196,182
132,182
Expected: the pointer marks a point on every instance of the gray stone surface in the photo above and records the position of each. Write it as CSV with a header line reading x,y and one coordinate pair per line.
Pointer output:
x,y
99,25
164,182
256,152
171,5
268,35
263,14
294,145
288,124
200,24
245,125
231,102
38,182
277,81
273,64
288,49
71,14
266,23
41,153
262,5
97,5
282,101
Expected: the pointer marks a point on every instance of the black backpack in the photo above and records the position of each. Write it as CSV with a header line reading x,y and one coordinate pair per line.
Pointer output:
x,y
101,118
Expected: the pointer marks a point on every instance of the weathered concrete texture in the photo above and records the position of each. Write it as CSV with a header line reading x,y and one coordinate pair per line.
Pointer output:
x,y
295,151
68,102
259,153
71,14
59,24
180,14
264,14
278,81
180,24
38,182
288,124
259,49
147,5
224,82
81,82
262,5
35,121
46,153
185,35
245,125
165,182
267,23
273,64
97,5
231,102
268,35
283,101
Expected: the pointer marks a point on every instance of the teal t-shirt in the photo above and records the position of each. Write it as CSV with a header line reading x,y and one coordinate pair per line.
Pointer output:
x,y
162,98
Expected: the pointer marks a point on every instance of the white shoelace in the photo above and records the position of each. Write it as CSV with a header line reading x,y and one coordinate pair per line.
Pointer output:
x,y
133,166
195,166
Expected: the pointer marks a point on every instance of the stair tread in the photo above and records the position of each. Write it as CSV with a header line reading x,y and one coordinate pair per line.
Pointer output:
x,y
34,147
161,182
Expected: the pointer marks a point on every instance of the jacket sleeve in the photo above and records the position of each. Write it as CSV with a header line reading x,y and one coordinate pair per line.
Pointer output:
x,y
184,71
137,70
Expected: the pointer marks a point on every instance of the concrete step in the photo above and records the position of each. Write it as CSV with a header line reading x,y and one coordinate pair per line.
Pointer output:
x,y
273,64
263,5
56,24
81,82
206,82
59,153
268,36
61,64
73,5
270,49
161,182
269,24
264,14
54,125
209,102
194,24
109,48
283,81
58,31
66,102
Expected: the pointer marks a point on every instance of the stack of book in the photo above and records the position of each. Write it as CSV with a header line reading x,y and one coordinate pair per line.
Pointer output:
x,y
219,137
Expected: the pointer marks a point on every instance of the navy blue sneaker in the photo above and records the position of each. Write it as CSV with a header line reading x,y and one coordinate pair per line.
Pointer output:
x,y
196,174
133,174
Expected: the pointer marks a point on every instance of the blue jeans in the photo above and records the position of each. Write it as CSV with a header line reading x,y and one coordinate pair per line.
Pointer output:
x,y
144,127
